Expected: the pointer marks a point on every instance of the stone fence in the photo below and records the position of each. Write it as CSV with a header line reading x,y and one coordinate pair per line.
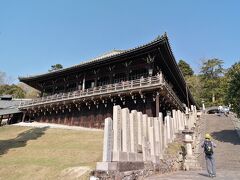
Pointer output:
x,y
134,138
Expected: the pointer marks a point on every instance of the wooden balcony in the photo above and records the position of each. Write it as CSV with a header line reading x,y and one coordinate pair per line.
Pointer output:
x,y
138,85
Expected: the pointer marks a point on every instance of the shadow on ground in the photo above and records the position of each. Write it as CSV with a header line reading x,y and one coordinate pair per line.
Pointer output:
x,y
229,136
21,139
204,174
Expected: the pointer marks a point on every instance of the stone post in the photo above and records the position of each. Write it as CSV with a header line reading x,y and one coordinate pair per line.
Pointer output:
x,y
125,130
117,127
174,115
165,133
133,131
107,163
145,126
181,120
168,129
172,129
140,127
152,143
133,136
160,135
107,142
157,135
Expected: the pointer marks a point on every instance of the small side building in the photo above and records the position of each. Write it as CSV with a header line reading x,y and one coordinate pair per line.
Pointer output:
x,y
9,112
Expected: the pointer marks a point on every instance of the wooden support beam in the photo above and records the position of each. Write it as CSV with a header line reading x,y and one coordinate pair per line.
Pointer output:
x,y
157,105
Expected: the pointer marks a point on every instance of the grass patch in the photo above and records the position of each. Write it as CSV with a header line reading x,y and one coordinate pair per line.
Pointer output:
x,y
42,153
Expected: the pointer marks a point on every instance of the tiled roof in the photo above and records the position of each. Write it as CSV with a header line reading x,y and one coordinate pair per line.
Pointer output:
x,y
9,111
8,104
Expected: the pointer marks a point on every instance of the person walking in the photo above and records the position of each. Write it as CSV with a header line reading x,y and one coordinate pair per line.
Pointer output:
x,y
208,146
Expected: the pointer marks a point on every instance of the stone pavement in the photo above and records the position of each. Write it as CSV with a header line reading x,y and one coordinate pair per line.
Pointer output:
x,y
198,175
227,153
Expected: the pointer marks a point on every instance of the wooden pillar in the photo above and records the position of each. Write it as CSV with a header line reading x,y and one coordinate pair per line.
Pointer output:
x,y
23,117
1,117
157,105
127,74
149,107
95,81
53,89
9,117
111,78
83,83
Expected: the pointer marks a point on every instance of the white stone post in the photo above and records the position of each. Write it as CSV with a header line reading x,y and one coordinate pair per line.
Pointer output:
x,y
125,130
152,143
160,118
145,126
133,131
107,142
174,115
186,110
157,135
117,126
168,129
144,148
181,119
117,136
140,127
173,129
192,108
165,133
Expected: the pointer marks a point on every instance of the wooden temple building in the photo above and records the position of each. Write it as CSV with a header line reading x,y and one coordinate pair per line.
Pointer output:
x,y
146,78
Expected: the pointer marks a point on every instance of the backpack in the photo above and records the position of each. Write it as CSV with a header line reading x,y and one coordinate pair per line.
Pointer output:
x,y
208,148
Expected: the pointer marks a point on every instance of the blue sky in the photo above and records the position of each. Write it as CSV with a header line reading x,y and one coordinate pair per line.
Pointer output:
x,y
37,34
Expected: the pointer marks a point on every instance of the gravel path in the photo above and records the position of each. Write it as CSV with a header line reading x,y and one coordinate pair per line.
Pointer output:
x,y
58,126
227,153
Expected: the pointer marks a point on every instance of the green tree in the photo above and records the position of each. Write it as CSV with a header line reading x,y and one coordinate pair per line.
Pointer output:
x,y
185,68
213,81
194,84
55,67
233,94
233,87
13,90
2,77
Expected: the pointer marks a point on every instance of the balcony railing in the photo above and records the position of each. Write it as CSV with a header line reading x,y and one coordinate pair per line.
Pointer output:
x,y
148,82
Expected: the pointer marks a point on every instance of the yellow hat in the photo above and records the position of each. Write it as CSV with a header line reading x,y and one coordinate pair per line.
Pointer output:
x,y
207,136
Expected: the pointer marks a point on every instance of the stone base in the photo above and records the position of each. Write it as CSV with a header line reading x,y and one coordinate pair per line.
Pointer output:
x,y
119,156
160,156
191,163
107,166
139,157
131,157
130,166
155,159
119,166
